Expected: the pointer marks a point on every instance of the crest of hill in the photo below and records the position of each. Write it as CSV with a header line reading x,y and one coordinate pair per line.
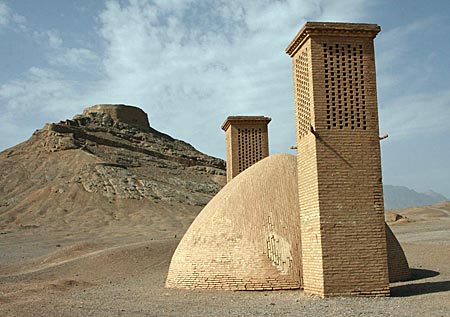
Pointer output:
x,y
130,115
102,167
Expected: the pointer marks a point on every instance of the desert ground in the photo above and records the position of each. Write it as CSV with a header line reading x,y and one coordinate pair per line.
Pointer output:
x,y
120,269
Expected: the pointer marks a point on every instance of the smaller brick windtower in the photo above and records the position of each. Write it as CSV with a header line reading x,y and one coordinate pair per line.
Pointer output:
x,y
247,142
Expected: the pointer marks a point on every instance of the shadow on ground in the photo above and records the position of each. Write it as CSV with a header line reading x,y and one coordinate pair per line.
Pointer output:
x,y
418,274
420,288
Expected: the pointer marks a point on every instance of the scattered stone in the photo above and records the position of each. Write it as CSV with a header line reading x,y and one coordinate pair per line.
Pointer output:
x,y
394,217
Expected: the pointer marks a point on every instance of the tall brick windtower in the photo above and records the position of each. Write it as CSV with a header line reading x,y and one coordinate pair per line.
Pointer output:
x,y
247,142
339,169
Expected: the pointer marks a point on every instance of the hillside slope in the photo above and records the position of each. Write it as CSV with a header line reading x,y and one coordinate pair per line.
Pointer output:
x,y
94,171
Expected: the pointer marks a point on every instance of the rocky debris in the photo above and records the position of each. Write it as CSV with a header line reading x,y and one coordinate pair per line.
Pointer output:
x,y
393,217
96,129
209,170
122,146
116,181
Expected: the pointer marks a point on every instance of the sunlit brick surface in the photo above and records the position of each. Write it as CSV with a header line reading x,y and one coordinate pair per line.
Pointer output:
x,y
247,142
398,264
247,237
339,171
254,235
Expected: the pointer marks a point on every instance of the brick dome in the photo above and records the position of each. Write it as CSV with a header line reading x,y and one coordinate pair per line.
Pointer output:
x,y
248,236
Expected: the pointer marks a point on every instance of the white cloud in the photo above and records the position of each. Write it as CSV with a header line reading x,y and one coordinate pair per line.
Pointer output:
x,y
54,39
58,54
51,41
417,114
73,57
411,104
193,64
10,19
41,96
4,14
189,64
40,90
48,38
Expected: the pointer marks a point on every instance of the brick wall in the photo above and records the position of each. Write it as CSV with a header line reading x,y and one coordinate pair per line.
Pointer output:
x,y
339,170
398,264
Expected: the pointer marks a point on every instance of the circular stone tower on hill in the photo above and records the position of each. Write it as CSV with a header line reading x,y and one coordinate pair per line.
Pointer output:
x,y
122,113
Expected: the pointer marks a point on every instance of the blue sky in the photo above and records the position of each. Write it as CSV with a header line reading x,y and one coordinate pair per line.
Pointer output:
x,y
189,64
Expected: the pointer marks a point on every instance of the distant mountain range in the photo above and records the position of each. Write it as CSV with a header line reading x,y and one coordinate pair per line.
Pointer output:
x,y
396,197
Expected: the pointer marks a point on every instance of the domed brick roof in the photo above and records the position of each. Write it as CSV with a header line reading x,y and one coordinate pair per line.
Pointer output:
x,y
248,236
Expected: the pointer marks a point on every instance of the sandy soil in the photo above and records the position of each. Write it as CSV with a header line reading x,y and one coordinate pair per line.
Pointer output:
x,y
120,271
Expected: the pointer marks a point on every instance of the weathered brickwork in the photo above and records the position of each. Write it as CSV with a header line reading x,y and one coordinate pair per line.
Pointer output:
x,y
122,113
247,237
339,172
398,264
247,142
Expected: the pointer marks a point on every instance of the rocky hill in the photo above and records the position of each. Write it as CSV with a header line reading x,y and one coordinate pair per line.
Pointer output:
x,y
98,169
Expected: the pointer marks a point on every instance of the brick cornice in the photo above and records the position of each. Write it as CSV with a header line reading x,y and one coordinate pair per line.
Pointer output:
x,y
245,120
331,29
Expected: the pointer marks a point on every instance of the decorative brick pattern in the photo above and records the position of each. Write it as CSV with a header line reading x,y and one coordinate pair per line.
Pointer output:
x,y
344,86
343,236
303,97
250,147
247,142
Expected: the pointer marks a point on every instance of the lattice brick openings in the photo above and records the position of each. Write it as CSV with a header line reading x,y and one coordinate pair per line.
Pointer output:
x,y
247,142
344,86
339,170
302,108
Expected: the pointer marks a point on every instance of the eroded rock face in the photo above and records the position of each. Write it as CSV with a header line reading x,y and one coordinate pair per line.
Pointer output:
x,y
99,129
